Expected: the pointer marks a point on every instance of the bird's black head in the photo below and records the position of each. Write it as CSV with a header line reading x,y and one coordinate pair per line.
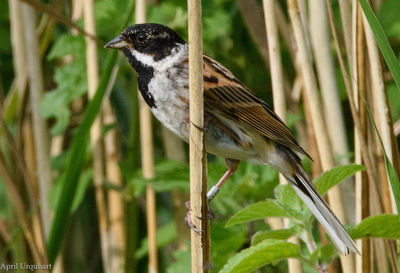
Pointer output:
x,y
153,40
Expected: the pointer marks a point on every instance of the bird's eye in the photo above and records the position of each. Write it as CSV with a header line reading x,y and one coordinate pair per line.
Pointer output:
x,y
141,37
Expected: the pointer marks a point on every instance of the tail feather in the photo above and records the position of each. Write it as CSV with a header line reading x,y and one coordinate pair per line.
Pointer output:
x,y
307,192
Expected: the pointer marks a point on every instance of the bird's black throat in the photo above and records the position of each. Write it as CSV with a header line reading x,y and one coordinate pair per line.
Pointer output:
x,y
144,75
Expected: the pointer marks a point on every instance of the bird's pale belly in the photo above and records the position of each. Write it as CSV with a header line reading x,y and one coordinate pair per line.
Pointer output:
x,y
218,142
172,110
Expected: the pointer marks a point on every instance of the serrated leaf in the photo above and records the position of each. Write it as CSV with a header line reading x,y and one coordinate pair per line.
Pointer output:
x,y
323,254
334,176
71,82
288,198
257,211
258,255
378,226
278,234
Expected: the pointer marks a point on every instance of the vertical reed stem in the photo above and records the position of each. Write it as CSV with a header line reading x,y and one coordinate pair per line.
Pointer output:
x,y
115,199
380,109
198,169
311,91
39,125
146,138
319,31
278,91
96,131
18,45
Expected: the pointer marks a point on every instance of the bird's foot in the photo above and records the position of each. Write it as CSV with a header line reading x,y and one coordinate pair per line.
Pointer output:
x,y
188,219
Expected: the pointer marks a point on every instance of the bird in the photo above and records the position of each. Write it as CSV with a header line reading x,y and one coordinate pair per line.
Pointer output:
x,y
239,126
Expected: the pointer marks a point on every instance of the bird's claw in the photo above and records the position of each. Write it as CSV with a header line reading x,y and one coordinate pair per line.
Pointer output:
x,y
203,129
188,219
189,223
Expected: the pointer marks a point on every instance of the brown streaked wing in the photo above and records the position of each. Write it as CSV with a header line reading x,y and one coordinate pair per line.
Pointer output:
x,y
223,91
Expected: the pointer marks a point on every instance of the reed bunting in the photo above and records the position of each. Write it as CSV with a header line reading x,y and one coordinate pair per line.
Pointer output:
x,y
239,125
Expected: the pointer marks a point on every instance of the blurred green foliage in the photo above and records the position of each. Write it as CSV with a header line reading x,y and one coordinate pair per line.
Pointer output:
x,y
226,39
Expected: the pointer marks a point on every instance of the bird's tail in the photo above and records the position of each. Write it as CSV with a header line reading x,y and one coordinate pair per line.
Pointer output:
x,y
307,192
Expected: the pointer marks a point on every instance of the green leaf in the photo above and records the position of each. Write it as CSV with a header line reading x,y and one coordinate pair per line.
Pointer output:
x,y
235,237
67,44
379,226
83,184
71,81
182,262
323,254
257,211
382,41
289,200
279,234
261,254
165,235
332,177
170,174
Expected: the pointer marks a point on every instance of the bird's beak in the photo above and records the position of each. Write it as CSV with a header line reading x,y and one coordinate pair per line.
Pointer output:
x,y
118,43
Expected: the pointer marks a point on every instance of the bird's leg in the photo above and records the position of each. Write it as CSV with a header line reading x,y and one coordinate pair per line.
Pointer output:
x,y
232,165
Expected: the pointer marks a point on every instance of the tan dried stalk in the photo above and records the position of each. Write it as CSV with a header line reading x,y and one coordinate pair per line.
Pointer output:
x,y
324,148
319,31
146,138
200,242
396,128
21,211
114,177
358,185
361,91
363,264
43,8
345,16
18,46
278,91
381,111
96,131
41,136
20,80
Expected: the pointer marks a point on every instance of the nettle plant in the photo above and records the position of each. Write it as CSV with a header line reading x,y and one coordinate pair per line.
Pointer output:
x,y
271,246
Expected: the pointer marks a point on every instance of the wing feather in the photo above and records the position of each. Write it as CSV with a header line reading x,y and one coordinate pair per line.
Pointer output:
x,y
224,92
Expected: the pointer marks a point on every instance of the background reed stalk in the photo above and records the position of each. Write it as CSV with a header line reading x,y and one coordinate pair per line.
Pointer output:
x,y
39,125
279,97
96,137
318,124
146,139
115,203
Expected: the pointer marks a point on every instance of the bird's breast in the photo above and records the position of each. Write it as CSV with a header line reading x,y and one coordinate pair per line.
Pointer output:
x,y
171,99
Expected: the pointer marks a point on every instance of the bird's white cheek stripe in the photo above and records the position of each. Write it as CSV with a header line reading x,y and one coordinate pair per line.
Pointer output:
x,y
177,54
143,58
